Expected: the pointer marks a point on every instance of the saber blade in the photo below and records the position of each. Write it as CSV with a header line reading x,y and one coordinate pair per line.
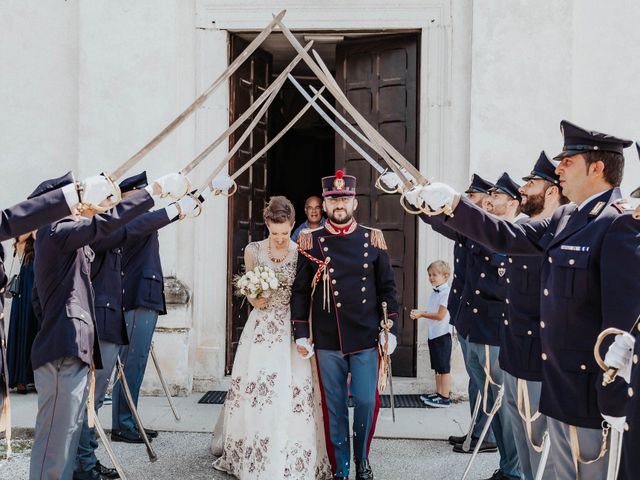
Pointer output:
x,y
230,70
466,446
107,446
164,384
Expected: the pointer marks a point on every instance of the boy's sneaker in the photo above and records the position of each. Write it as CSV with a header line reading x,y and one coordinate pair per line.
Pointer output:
x,y
428,396
438,402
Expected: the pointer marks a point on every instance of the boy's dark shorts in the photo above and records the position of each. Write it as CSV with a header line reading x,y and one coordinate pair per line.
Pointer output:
x,y
440,353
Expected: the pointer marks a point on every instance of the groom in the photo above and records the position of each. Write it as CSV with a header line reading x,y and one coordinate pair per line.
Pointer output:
x,y
343,276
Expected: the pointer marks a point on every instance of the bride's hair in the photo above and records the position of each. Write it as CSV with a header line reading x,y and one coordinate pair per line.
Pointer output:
x,y
279,210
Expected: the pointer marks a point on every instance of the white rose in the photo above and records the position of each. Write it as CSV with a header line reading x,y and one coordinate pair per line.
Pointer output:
x,y
273,283
264,275
264,285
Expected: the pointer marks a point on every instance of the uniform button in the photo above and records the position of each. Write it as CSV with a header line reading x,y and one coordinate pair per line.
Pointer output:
x,y
635,359
529,332
336,293
123,291
541,324
524,267
544,356
550,260
473,245
338,304
366,254
153,276
328,259
455,276
364,279
366,245
364,300
322,240
502,264
333,282
506,322
363,289
507,300
457,260
459,244
572,261
107,304
626,426
546,292
477,292
482,275
486,258
366,235
583,367
510,260
508,281
325,249
630,392
331,270
475,310
455,290
82,315
366,265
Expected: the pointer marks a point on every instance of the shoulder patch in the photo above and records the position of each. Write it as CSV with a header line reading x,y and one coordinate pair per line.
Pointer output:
x,y
621,206
305,238
377,238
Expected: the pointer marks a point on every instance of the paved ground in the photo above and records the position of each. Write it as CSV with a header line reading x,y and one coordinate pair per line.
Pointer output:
x,y
186,456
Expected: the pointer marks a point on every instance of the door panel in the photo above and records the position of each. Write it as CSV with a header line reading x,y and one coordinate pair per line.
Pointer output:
x,y
245,207
379,76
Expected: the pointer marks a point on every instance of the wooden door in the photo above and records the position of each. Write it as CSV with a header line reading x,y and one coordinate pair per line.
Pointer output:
x,y
245,207
380,78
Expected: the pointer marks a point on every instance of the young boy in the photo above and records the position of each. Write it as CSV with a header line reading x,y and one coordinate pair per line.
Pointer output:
x,y
439,333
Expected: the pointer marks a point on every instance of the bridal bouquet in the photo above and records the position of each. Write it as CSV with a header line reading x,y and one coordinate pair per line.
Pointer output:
x,y
260,282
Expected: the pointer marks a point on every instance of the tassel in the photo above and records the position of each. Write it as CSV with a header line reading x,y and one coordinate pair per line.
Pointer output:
x,y
305,239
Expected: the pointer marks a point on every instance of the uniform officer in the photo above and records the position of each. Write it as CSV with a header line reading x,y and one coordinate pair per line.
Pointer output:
x,y
618,400
585,288
106,277
50,201
344,274
66,344
143,301
520,331
478,193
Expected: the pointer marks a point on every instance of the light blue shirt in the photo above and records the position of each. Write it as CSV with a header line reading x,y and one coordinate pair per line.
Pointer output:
x,y
302,226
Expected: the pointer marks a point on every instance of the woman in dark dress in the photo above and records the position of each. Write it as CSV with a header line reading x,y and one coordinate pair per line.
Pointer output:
x,y
23,324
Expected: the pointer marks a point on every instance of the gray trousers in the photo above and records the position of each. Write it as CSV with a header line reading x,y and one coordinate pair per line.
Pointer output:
x,y
529,458
63,388
590,440
86,457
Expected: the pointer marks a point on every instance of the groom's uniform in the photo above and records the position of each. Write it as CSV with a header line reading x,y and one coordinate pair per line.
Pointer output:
x,y
343,276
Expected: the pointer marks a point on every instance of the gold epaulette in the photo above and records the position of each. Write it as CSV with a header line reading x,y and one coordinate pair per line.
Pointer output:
x,y
305,238
377,238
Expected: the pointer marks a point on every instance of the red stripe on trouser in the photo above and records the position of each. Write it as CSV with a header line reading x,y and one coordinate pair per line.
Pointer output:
x,y
325,420
376,410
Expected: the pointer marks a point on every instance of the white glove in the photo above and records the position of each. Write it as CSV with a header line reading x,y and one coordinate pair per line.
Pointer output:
x,y
304,343
393,342
222,182
391,180
97,189
413,196
175,185
437,195
207,194
619,355
617,423
188,205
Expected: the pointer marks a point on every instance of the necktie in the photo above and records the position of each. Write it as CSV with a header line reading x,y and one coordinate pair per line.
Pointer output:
x,y
565,220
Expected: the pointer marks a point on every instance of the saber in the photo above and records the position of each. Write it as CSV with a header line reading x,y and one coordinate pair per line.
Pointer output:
x,y
140,154
164,384
134,411
610,373
466,445
333,124
485,429
107,446
544,457
273,141
242,118
385,371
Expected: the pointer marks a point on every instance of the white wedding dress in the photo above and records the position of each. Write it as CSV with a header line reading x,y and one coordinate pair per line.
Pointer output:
x,y
271,426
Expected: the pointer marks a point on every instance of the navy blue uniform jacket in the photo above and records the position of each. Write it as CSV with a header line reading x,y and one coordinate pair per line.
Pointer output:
x,y
588,283
143,280
63,294
360,279
107,274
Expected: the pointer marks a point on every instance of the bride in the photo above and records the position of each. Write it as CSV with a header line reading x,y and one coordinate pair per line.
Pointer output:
x,y
271,424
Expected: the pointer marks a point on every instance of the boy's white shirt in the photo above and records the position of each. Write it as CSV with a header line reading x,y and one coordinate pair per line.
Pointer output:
x,y
438,328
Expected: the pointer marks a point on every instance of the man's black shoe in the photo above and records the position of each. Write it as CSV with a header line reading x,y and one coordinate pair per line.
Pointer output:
x,y
127,436
363,470
150,433
92,474
106,471
499,475
486,447
453,439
